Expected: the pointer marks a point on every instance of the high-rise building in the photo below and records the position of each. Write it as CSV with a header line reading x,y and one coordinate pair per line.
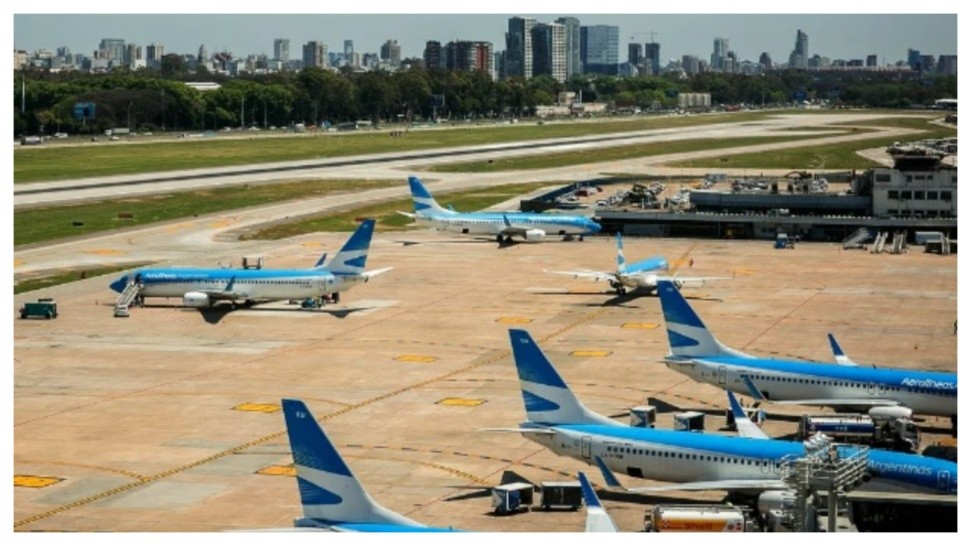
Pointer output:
x,y
432,55
799,55
549,50
691,64
634,53
348,49
518,47
765,60
153,55
391,52
651,51
574,64
719,54
315,55
913,58
600,49
947,65
203,54
132,54
113,50
464,55
281,49
871,60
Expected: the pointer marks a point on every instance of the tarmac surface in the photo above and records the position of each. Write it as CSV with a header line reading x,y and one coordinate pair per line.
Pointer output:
x,y
168,421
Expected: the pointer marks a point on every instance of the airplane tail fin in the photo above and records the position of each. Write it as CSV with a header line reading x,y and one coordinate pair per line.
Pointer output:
x,y
597,519
686,332
423,201
329,491
620,258
353,256
547,398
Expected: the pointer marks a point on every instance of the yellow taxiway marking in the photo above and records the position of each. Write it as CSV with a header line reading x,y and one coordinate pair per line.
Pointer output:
x,y
264,408
178,227
222,222
415,358
312,244
640,325
21,480
590,352
467,402
514,320
278,470
744,271
104,251
17,262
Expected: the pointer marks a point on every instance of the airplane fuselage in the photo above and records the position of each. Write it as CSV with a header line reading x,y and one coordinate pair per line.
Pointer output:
x,y
683,457
493,223
926,393
250,284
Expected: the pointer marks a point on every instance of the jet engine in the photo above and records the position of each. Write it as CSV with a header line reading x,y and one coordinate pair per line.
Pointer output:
x,y
534,235
196,299
890,412
650,281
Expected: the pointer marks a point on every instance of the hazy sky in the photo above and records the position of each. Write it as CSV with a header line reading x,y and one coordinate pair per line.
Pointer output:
x,y
837,36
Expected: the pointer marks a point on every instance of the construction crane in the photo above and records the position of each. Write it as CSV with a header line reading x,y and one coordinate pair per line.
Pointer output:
x,y
651,33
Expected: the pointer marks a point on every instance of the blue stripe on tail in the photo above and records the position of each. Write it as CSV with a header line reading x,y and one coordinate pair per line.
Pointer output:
x,y
311,447
531,363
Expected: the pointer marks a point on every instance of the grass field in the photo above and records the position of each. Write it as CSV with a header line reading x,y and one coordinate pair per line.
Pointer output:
x,y
65,277
550,160
49,223
387,216
827,156
61,162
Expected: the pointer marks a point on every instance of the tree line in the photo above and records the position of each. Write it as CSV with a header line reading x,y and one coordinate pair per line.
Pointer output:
x,y
152,100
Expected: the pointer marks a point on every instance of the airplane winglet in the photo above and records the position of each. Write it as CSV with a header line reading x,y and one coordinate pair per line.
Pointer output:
x,y
840,357
321,261
752,389
597,519
608,476
746,427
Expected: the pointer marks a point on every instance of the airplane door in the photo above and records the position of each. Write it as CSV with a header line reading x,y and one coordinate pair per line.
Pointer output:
x,y
943,481
871,388
722,376
587,447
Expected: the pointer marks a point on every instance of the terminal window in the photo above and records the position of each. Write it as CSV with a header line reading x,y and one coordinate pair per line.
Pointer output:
x,y
920,195
893,194
932,195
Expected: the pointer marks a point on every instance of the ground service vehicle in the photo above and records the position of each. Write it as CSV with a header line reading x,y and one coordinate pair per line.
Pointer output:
x,y
695,517
44,308
890,432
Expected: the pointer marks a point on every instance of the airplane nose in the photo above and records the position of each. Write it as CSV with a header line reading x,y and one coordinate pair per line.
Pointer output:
x,y
120,284
594,227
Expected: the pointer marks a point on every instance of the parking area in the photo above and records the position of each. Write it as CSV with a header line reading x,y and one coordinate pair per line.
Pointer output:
x,y
168,420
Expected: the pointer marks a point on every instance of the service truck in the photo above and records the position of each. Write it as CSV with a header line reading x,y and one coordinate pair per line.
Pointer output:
x,y
708,518
885,431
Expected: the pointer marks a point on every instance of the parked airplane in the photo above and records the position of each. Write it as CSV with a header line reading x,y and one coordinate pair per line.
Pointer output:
x,y
501,225
333,498
691,461
643,274
202,287
695,352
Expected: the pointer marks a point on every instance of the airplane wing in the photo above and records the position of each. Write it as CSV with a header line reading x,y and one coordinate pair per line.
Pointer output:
x,y
374,272
840,402
408,214
722,485
746,427
511,229
227,293
545,431
690,281
587,274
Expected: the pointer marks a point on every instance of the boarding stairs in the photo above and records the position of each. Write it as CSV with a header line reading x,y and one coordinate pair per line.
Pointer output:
x,y
128,295
860,237
880,243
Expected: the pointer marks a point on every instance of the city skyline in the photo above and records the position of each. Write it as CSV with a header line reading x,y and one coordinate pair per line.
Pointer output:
x,y
836,36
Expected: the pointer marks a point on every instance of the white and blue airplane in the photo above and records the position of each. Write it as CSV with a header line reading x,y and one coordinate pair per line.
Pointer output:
x,y
333,498
644,274
695,352
203,287
501,225
687,460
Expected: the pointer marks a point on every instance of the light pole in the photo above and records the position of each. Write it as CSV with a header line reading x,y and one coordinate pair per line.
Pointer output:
x,y
129,117
242,114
